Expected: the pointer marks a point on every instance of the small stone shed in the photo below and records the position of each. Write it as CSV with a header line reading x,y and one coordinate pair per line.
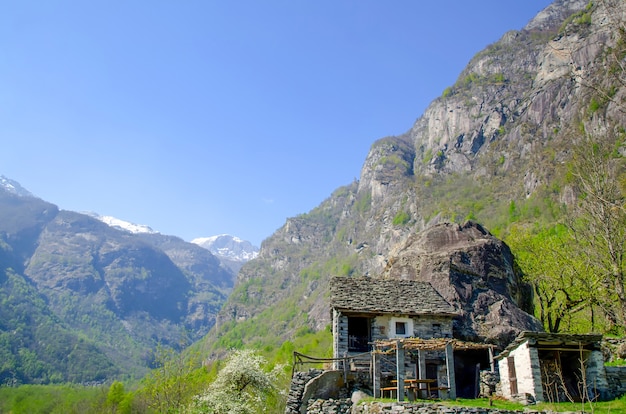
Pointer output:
x,y
553,367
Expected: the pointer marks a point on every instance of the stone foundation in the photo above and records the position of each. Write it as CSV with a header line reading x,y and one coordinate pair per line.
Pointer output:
x,y
428,408
340,406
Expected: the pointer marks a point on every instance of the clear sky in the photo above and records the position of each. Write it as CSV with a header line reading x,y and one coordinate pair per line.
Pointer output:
x,y
202,117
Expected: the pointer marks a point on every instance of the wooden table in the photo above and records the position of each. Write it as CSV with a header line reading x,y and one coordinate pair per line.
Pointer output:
x,y
414,386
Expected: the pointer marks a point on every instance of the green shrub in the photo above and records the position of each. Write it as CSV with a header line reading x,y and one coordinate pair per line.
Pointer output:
x,y
498,78
428,155
401,218
364,202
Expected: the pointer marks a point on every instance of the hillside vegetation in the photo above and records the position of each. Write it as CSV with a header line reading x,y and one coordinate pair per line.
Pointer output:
x,y
83,302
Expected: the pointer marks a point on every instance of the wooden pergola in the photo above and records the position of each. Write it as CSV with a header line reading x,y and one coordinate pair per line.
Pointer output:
x,y
400,345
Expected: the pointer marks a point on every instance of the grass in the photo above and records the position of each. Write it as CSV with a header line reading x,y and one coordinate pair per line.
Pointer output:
x,y
618,362
50,399
604,407
500,404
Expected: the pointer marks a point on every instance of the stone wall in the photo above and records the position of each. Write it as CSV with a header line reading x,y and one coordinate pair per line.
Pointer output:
x,y
616,379
296,390
339,406
489,384
527,372
340,336
597,385
615,349
426,408
383,327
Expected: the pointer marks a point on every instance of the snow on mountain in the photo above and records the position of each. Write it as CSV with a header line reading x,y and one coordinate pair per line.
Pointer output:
x,y
121,224
228,247
14,187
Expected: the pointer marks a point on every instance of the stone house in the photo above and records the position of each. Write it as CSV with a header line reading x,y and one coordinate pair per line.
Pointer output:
x,y
370,311
365,310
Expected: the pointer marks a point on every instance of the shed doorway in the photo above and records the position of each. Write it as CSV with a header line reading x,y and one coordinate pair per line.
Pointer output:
x,y
359,334
562,374
467,367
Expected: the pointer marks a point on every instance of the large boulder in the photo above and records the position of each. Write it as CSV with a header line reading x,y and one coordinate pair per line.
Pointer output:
x,y
476,273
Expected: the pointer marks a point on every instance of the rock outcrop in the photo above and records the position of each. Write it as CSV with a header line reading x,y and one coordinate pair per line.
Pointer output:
x,y
475,272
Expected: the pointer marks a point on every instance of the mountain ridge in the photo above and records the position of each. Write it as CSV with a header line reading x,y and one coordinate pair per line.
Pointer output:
x,y
112,294
498,138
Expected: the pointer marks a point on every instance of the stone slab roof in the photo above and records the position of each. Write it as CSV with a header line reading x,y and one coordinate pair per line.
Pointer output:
x,y
372,295
551,340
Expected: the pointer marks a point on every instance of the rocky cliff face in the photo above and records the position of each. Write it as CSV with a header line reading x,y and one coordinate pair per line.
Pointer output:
x,y
499,137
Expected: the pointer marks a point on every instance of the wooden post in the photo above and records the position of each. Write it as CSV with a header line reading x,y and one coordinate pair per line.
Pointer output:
x,y
450,369
492,362
421,370
376,374
400,370
477,381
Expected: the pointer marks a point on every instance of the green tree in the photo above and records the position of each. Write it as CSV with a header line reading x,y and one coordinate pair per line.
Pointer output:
x,y
117,400
175,380
598,224
241,387
560,280
116,393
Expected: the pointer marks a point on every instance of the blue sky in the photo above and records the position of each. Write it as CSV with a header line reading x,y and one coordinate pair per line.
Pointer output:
x,y
206,117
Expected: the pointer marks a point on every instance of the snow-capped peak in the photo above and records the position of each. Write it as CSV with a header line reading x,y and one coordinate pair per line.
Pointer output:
x,y
228,247
214,239
122,225
14,187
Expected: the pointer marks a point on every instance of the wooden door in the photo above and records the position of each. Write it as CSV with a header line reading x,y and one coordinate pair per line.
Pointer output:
x,y
512,376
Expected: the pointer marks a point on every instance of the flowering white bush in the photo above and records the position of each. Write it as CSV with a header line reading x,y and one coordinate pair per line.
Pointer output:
x,y
241,387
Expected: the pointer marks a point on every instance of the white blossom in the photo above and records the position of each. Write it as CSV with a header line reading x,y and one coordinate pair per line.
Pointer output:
x,y
241,387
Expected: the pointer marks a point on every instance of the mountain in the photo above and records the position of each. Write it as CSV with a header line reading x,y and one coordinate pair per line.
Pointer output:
x,y
86,301
232,251
495,147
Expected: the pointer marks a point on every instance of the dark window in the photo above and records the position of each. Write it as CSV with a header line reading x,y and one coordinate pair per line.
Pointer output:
x,y
400,328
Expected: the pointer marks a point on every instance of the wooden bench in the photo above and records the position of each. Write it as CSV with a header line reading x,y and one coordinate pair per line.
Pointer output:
x,y
390,389
414,390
